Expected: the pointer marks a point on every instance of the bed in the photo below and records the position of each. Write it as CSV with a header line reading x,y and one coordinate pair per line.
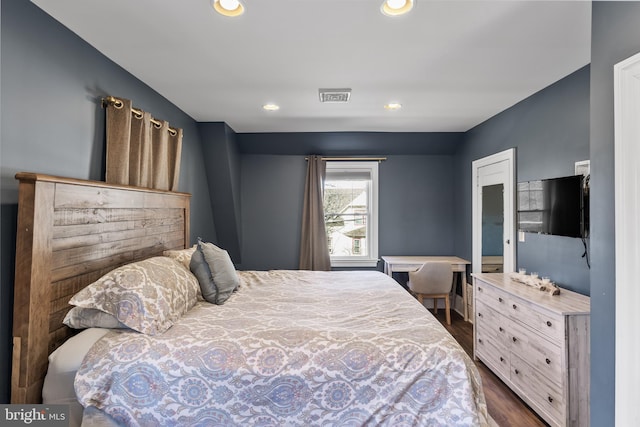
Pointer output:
x,y
287,347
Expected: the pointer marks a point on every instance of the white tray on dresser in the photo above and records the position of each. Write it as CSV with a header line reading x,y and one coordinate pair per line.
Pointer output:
x,y
537,344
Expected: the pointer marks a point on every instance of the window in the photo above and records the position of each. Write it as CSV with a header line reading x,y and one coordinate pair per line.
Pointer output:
x,y
356,246
351,213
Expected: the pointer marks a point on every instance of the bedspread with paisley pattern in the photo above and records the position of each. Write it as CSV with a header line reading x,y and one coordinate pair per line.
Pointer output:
x,y
294,348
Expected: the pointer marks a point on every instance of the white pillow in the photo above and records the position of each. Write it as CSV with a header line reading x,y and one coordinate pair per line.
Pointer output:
x,y
182,255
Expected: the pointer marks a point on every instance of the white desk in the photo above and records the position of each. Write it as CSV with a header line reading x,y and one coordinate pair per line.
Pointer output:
x,y
412,263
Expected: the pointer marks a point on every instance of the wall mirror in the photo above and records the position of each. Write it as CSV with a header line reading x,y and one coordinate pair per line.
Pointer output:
x,y
493,228
493,210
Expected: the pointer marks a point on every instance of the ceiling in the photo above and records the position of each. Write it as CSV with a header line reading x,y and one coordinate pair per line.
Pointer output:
x,y
451,64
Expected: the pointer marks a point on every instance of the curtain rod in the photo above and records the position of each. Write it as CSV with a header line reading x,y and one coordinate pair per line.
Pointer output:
x,y
111,100
352,159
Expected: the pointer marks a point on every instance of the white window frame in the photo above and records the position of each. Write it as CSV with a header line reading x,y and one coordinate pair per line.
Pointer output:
x,y
370,260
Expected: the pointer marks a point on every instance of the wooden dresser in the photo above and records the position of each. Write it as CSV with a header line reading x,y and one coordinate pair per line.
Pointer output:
x,y
538,344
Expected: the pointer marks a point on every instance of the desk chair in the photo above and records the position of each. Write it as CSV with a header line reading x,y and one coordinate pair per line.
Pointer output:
x,y
433,280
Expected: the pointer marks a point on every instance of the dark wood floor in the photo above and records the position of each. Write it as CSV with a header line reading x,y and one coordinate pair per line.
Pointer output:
x,y
504,406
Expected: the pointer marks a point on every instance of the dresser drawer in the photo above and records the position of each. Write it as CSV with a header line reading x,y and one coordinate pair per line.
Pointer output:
x,y
494,324
547,323
495,355
537,351
492,297
542,392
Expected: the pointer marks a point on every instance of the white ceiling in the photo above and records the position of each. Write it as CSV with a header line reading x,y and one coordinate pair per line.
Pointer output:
x,y
452,64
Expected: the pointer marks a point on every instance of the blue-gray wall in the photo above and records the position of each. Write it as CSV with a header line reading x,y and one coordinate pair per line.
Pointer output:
x,y
52,123
222,161
550,131
272,192
349,143
415,207
615,37
415,194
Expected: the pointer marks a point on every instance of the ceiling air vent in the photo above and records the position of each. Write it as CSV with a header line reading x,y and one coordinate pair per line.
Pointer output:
x,y
334,95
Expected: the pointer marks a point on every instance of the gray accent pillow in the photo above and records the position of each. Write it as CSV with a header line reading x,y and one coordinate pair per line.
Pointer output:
x,y
215,272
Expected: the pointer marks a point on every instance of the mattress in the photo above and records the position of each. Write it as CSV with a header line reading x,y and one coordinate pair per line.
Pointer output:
x,y
63,365
293,348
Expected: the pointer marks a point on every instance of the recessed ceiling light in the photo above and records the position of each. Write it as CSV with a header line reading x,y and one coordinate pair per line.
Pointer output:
x,y
393,106
228,7
270,107
396,7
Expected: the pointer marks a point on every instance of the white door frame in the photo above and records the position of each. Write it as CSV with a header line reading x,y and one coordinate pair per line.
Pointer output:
x,y
627,235
509,201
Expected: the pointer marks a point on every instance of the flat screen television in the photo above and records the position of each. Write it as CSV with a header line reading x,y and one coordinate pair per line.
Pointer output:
x,y
557,206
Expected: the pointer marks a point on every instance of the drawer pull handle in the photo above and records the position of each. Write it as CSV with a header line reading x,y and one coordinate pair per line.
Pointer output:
x,y
516,371
479,314
549,323
479,289
550,399
514,306
548,361
500,329
500,299
480,340
501,359
515,339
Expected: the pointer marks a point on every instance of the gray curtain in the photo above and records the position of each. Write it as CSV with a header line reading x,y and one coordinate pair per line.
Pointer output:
x,y
314,248
141,151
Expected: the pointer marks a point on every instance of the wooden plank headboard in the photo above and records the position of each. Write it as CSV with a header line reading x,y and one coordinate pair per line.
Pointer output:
x,y
70,232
